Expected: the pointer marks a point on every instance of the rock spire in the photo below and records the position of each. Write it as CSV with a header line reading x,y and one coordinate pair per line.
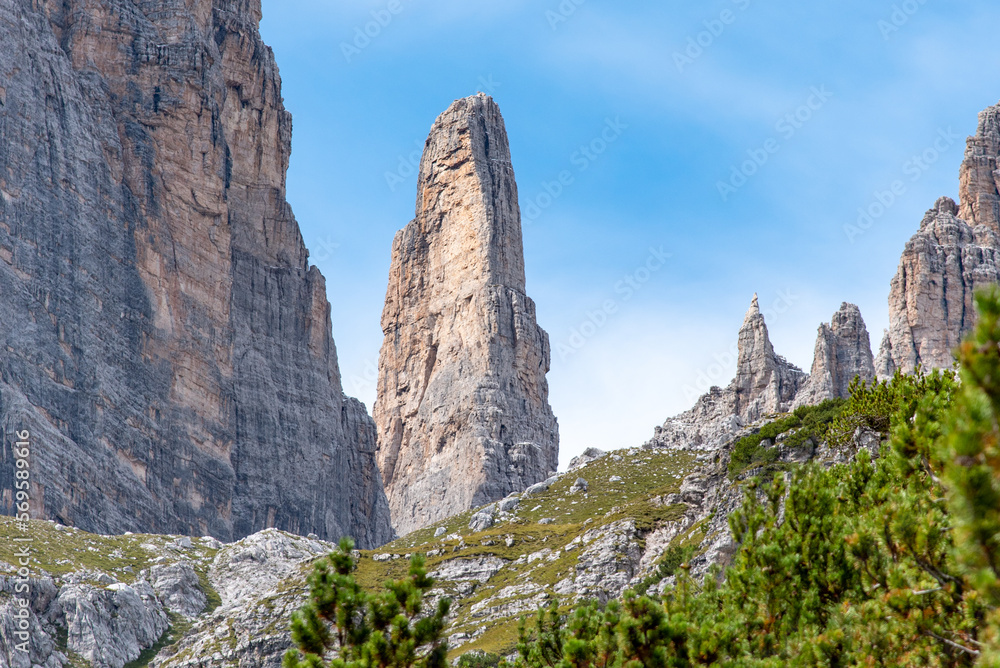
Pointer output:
x,y
765,383
462,410
843,352
953,254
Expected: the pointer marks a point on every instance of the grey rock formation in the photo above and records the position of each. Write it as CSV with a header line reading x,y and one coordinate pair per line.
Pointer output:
x,y
178,587
462,410
931,301
478,569
765,383
166,341
885,366
607,562
108,626
261,582
483,518
539,487
843,353
954,253
588,455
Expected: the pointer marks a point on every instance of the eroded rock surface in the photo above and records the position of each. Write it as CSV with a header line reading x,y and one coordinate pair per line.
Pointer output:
x,y
765,383
843,353
462,410
166,342
953,254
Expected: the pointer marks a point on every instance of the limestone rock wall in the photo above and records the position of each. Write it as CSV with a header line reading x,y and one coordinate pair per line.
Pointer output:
x,y
164,338
462,410
931,301
953,254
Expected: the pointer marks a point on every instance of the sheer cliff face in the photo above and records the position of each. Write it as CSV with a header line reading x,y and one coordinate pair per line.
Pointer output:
x,y
462,410
166,341
931,300
954,253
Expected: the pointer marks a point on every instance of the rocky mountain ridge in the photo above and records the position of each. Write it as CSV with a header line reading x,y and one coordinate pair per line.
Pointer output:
x,y
766,384
168,345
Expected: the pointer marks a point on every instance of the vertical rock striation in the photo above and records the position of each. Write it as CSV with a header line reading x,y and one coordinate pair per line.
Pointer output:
x,y
953,254
462,410
843,353
165,340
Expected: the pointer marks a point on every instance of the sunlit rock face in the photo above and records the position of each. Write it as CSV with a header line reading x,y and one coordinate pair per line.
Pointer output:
x,y
952,255
843,353
462,410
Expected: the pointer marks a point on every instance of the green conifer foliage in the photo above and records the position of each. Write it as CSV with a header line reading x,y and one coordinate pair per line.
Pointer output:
x,y
855,564
972,472
363,630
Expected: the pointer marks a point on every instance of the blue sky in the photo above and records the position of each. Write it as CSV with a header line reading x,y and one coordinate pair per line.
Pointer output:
x,y
807,112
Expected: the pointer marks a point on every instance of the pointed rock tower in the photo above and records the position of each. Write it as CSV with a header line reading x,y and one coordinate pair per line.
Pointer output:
x,y
765,382
954,253
462,410
843,352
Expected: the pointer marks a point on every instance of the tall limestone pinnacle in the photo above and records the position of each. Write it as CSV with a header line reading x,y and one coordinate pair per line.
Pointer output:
x,y
462,409
953,254
165,341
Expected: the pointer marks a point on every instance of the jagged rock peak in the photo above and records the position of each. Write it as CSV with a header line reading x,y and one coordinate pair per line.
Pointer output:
x,y
843,352
765,382
462,409
954,253
931,298
978,179
168,345
467,163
